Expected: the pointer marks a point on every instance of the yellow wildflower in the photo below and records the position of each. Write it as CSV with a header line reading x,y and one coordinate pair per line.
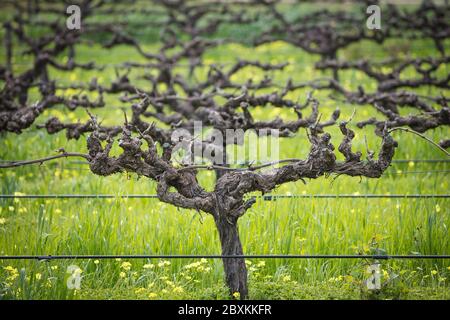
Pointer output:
x,y
126,266
139,290
164,263
178,290
12,273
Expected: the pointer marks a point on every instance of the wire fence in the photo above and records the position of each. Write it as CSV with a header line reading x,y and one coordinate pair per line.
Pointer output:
x,y
257,256
421,161
397,172
399,161
263,197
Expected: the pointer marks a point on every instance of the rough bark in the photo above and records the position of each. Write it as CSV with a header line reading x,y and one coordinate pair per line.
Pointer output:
x,y
235,269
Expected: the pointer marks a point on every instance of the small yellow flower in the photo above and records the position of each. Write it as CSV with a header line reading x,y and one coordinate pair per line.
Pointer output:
x,y
148,266
96,261
170,283
438,208
54,267
434,272
11,208
152,295
411,164
22,210
12,273
178,290
163,263
122,274
58,211
126,266
139,290
12,269
2,220
236,295
200,269
38,276
286,278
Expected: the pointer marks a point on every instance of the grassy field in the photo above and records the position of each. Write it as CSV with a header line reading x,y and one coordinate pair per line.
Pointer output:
x,y
285,226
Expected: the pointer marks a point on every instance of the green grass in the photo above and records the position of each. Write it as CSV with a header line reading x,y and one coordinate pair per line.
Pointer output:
x,y
298,226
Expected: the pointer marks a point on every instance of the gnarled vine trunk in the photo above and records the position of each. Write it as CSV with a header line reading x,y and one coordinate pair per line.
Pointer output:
x,y
235,269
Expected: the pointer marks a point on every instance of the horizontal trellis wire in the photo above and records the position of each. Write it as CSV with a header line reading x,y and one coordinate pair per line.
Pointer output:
x,y
392,172
421,160
417,172
256,256
393,161
264,197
